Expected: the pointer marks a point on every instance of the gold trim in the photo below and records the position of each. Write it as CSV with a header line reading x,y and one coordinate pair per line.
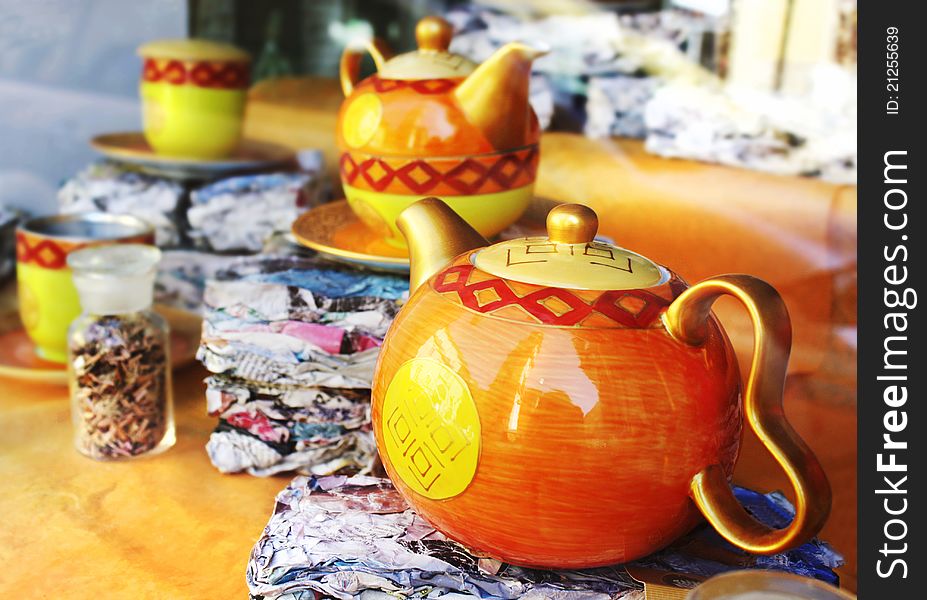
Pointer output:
x,y
349,65
687,320
435,235
433,34
494,97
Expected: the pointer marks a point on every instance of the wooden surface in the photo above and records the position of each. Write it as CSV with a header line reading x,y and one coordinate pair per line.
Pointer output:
x,y
171,526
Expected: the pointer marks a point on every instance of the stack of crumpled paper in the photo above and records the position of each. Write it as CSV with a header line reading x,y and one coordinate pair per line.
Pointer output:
x,y
355,537
200,226
108,187
292,343
240,213
237,213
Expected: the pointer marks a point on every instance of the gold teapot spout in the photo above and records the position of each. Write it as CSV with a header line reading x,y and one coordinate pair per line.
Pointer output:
x,y
495,96
435,235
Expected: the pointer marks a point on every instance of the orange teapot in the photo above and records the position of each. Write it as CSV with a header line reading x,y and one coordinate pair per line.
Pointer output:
x,y
558,401
432,123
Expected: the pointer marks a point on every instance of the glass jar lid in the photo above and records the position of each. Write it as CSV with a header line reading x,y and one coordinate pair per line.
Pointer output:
x,y
116,278
570,257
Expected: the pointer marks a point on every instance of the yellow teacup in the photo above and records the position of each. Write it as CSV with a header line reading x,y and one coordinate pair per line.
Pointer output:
x,y
48,300
193,97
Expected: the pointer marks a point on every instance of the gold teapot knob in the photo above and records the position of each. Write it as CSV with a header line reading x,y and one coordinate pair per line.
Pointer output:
x,y
433,34
572,224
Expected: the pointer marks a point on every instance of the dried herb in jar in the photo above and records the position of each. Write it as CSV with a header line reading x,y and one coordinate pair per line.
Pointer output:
x,y
120,386
118,351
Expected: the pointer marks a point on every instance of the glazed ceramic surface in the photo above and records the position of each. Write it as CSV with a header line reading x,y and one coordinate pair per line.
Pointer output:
x,y
572,461
131,148
333,230
433,123
48,300
193,97
560,402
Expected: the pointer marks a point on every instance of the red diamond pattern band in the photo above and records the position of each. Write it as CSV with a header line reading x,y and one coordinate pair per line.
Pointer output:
x,y
45,253
637,309
201,74
422,86
479,174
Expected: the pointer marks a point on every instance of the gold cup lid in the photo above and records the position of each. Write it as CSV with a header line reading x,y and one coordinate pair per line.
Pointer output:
x,y
193,50
570,257
432,60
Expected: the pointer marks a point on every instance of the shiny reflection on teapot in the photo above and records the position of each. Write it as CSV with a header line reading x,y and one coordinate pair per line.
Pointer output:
x,y
559,401
431,122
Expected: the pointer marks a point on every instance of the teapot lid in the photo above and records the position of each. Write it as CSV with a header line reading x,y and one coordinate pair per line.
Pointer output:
x,y
432,59
570,257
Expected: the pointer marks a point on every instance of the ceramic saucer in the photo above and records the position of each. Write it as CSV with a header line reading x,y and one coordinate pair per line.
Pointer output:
x,y
18,359
131,148
334,231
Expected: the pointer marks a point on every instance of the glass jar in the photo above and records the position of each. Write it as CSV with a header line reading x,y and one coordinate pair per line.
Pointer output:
x,y
119,355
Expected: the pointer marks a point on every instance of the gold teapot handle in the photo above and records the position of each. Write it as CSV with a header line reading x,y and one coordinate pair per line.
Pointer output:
x,y
687,320
349,68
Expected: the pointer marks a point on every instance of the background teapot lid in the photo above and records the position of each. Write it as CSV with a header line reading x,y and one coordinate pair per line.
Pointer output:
x,y
570,257
431,60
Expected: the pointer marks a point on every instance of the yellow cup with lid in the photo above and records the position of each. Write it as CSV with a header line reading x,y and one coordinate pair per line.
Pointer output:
x,y
193,97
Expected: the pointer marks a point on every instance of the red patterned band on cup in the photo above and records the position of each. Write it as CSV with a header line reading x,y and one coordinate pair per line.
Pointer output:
x,y
52,254
218,75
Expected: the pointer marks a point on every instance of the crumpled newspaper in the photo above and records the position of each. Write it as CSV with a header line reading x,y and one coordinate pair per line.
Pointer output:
x,y
615,105
233,452
240,213
182,276
252,363
355,537
266,429
758,130
292,342
108,187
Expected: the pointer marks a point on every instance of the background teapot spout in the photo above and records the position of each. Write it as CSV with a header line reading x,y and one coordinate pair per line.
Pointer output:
x,y
495,96
435,235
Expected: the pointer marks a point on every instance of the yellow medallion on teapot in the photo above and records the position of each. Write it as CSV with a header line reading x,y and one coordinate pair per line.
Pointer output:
x,y
559,401
430,122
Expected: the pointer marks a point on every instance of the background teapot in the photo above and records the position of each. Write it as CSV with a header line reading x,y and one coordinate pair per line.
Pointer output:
x,y
434,123
562,402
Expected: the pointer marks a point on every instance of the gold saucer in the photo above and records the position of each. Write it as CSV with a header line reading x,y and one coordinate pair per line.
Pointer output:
x,y
18,359
334,231
131,148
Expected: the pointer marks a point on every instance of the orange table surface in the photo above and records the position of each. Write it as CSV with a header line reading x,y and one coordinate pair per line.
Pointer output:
x,y
171,526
